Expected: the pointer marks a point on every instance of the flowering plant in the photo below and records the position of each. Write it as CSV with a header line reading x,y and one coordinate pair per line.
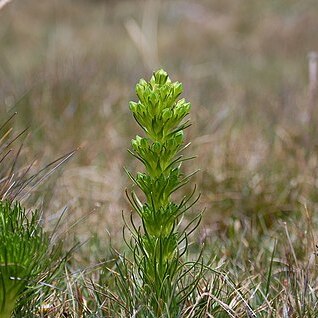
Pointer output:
x,y
157,244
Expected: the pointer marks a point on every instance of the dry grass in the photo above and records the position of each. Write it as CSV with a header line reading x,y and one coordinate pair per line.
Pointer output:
x,y
3,3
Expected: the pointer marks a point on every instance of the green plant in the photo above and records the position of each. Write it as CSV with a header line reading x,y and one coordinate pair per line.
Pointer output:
x,y
159,243
26,256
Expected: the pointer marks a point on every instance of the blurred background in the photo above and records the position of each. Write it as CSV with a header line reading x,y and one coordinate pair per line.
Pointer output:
x,y
69,68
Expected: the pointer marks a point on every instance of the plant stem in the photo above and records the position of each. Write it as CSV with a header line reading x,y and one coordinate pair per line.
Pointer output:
x,y
7,308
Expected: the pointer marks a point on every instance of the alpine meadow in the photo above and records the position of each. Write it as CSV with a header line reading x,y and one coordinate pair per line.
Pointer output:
x,y
158,159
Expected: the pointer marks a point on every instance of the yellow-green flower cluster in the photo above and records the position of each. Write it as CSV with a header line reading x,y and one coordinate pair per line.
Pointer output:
x,y
161,115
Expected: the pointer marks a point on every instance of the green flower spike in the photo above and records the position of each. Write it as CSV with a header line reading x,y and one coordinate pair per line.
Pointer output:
x,y
157,253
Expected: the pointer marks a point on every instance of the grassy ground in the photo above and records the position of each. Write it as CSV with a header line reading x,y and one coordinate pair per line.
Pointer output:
x,y
69,69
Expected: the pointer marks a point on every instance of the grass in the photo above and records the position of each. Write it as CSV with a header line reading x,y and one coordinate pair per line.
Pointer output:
x,y
69,71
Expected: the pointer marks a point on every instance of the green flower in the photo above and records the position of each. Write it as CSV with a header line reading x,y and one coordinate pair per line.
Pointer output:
x,y
161,115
